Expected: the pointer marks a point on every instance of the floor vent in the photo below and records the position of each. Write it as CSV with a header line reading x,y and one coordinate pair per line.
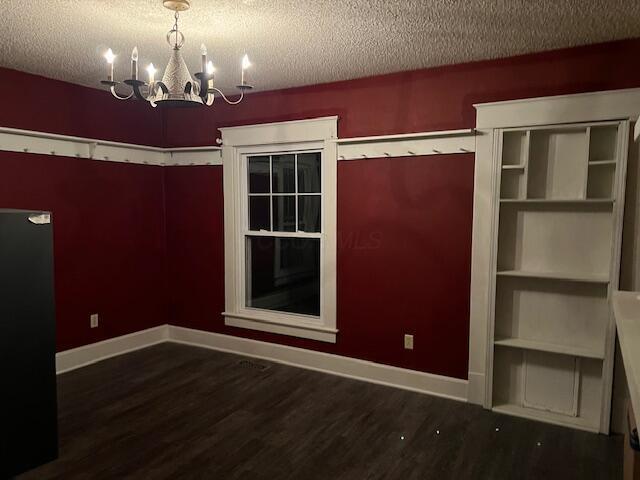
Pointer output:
x,y
252,365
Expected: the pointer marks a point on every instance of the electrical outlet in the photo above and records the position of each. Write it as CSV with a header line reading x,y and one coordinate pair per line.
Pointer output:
x,y
93,320
408,342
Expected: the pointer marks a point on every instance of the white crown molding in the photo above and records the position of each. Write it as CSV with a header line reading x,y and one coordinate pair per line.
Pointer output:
x,y
41,143
621,104
437,385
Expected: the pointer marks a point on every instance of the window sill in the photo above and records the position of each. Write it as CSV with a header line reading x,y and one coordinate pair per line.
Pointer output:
x,y
250,322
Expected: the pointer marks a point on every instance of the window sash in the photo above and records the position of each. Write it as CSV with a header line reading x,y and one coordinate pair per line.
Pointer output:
x,y
245,194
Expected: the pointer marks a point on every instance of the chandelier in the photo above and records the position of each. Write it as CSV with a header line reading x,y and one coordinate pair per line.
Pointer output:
x,y
177,87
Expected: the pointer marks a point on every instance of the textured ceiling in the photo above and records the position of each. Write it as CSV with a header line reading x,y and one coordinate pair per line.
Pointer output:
x,y
299,42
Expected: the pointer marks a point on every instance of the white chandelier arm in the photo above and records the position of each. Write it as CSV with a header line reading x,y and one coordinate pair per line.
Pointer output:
x,y
119,97
153,92
230,102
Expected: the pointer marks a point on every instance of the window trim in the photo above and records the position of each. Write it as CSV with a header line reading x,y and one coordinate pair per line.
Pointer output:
x,y
269,139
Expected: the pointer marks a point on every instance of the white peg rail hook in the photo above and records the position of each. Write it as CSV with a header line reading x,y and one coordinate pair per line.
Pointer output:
x,y
404,145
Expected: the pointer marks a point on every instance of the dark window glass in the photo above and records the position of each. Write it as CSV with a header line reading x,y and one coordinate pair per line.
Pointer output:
x,y
259,213
284,213
309,172
258,174
283,274
309,213
284,173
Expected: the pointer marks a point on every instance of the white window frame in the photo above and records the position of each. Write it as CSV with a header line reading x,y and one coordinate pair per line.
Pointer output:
x,y
239,143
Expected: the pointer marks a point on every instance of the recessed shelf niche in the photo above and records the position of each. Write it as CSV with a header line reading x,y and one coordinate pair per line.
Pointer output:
x,y
557,254
560,315
557,163
515,152
603,141
574,162
515,148
563,238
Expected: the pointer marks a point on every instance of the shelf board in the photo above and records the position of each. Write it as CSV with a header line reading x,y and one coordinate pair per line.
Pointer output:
x,y
602,162
513,167
547,201
549,347
554,276
547,417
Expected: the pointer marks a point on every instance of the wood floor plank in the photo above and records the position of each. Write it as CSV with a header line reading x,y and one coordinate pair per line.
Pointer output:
x,y
174,411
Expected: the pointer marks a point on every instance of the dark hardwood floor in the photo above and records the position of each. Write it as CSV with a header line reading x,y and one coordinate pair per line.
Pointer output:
x,y
173,411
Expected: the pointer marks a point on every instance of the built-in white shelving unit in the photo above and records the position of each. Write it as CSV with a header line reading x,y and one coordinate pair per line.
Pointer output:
x,y
556,261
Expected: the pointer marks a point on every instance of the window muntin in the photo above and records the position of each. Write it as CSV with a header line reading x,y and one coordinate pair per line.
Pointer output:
x,y
284,192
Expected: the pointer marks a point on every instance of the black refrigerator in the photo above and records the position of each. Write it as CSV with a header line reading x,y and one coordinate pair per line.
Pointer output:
x,y
28,406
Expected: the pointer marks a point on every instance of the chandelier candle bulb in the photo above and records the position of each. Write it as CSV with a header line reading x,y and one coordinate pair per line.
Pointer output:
x,y
245,65
151,70
210,70
203,54
110,57
134,63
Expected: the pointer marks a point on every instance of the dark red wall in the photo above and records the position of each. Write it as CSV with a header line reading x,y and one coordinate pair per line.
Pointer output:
x,y
404,239
109,238
404,261
109,248
31,102
194,209
404,224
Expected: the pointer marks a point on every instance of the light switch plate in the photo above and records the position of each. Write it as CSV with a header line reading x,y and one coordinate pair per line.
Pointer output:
x,y
93,320
408,342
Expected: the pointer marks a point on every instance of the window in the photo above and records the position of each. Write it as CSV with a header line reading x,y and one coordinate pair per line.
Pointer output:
x,y
284,195
280,232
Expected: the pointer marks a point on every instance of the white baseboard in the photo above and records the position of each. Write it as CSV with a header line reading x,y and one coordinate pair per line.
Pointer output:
x,y
437,385
86,355
447,387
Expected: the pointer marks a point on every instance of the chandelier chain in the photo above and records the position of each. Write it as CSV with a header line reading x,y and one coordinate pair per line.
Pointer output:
x,y
178,36
175,27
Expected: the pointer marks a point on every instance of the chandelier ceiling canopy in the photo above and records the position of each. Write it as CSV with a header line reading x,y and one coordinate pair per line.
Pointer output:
x,y
177,87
